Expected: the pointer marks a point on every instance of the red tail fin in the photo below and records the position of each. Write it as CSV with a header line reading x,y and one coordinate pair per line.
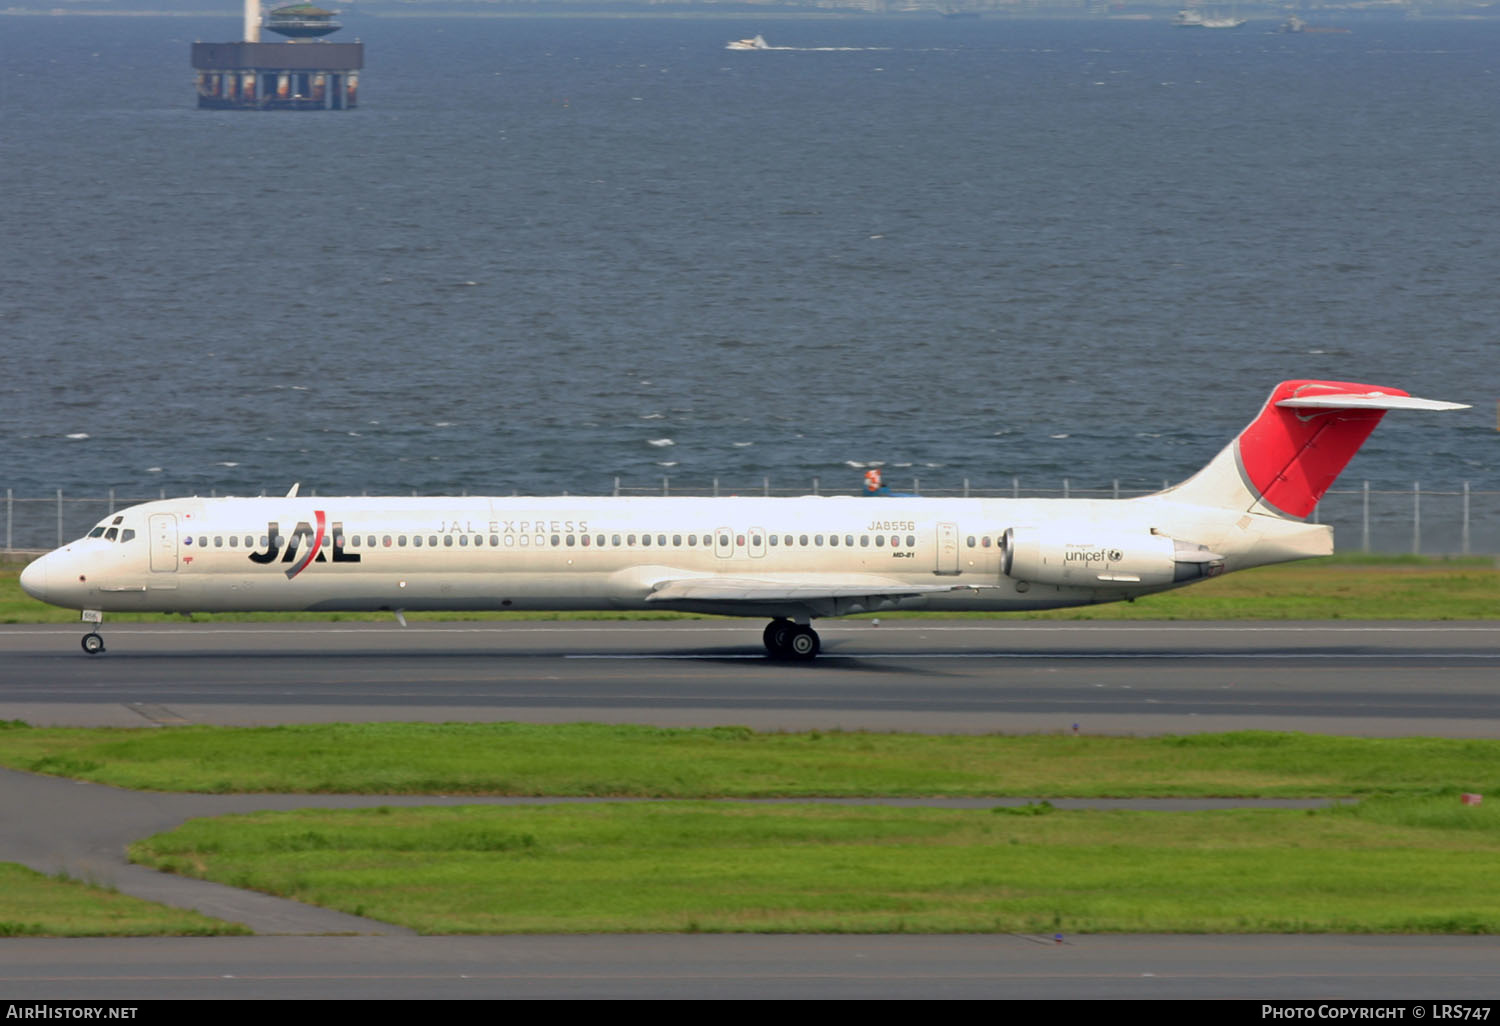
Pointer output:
x,y
1307,433
1303,439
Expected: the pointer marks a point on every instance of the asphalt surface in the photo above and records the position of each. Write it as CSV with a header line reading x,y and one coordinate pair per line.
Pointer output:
x,y
1377,679
934,676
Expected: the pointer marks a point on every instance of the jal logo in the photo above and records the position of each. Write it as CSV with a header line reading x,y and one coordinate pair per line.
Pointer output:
x,y
313,534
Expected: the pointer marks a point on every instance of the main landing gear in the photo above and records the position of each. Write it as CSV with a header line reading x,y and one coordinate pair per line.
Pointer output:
x,y
787,640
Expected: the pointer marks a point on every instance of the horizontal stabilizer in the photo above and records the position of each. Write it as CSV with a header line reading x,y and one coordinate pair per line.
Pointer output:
x,y
1368,401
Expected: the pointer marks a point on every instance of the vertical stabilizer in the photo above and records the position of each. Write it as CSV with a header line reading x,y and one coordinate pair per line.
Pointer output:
x,y
1294,450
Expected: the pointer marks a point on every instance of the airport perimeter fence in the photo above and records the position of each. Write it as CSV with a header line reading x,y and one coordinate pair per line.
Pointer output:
x,y
1451,521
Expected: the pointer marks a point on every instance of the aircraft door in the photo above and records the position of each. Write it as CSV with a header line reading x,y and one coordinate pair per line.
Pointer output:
x,y
757,539
723,543
947,549
163,542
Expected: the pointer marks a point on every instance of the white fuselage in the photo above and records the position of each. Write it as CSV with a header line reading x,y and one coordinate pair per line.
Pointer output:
x,y
793,557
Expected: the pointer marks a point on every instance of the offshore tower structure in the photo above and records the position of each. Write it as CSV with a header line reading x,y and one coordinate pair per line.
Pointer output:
x,y
304,73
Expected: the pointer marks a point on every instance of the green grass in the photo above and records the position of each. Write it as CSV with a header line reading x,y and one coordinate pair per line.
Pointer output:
x,y
1391,866
598,760
1353,587
34,905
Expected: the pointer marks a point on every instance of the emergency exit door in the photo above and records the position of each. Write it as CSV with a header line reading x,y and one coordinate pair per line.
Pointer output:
x,y
947,549
163,542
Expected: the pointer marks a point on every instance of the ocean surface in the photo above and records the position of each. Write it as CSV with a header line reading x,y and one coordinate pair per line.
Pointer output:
x,y
544,254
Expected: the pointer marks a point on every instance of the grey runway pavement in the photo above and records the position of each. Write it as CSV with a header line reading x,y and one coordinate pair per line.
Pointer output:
x,y
937,676
1309,968
1377,679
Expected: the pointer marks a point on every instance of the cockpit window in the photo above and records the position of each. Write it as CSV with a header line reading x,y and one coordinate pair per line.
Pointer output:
x,y
111,534
96,532
126,534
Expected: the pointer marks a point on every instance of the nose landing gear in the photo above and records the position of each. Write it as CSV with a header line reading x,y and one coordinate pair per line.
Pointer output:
x,y
93,642
787,640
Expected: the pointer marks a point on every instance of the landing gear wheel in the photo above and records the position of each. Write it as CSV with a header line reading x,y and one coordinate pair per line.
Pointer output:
x,y
93,643
776,634
802,643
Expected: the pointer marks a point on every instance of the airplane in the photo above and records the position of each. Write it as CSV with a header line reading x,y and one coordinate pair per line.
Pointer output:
x,y
790,560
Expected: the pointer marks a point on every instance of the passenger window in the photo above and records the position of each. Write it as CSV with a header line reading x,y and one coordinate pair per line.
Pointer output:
x,y
911,541
583,539
645,539
833,540
849,539
510,540
219,541
985,541
386,541
494,541
234,541
525,540
802,540
432,540
203,541
880,541
614,540
556,541
630,539
773,539
661,539
724,540
463,539
677,541
692,540
971,541
416,541
448,541
110,536
864,541
568,540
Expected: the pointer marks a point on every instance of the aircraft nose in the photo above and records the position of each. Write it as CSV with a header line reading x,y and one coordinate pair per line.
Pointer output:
x,y
34,579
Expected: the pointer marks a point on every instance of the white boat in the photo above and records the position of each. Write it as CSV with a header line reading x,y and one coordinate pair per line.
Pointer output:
x,y
757,43
1187,18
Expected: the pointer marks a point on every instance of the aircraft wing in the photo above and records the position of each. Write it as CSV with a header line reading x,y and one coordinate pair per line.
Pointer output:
x,y
769,596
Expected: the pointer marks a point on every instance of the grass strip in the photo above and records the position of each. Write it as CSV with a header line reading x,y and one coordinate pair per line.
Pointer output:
x,y
1388,866
599,760
1352,587
35,905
